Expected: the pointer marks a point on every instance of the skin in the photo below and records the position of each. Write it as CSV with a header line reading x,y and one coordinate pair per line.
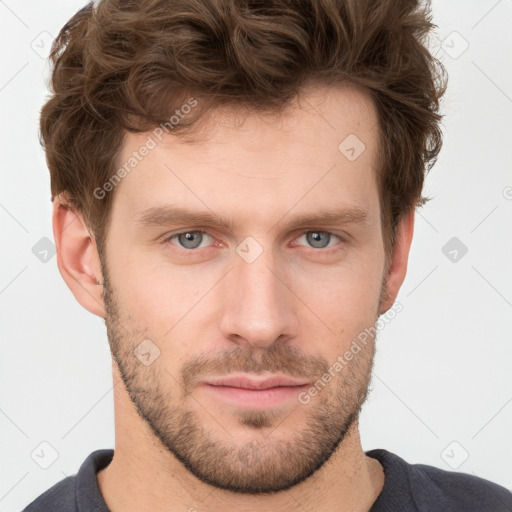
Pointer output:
x,y
292,311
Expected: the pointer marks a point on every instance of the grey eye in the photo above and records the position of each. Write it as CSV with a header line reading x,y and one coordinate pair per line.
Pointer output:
x,y
318,239
190,239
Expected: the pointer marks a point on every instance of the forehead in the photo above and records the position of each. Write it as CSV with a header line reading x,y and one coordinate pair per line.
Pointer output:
x,y
321,150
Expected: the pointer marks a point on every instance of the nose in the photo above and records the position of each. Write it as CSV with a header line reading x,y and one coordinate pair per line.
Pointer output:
x,y
258,307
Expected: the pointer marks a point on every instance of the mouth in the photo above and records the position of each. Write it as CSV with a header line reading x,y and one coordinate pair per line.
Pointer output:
x,y
254,393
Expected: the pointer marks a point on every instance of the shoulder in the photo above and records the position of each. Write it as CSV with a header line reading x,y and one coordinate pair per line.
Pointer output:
x,y
432,488
76,492
459,491
60,497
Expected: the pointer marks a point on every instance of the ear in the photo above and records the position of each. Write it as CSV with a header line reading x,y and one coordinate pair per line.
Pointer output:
x,y
397,266
77,257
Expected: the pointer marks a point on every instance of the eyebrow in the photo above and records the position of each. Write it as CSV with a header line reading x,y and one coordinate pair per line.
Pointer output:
x,y
158,216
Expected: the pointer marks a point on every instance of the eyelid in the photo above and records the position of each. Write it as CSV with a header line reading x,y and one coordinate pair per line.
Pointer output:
x,y
326,251
169,236
331,233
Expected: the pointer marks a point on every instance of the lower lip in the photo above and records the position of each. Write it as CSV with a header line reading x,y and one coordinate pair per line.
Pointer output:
x,y
255,398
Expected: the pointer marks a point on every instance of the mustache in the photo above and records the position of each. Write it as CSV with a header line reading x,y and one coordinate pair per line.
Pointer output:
x,y
279,358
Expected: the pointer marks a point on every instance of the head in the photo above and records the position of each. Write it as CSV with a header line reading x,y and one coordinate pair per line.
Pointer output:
x,y
240,179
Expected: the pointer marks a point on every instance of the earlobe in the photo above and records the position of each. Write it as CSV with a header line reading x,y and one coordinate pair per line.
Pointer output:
x,y
77,257
398,264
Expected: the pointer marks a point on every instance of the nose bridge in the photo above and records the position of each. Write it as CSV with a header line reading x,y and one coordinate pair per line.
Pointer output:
x,y
259,306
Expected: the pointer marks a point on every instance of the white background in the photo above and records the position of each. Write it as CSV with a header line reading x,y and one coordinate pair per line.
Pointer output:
x,y
442,387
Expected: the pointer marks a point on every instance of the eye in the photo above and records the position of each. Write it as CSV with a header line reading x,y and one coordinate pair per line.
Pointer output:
x,y
320,239
189,239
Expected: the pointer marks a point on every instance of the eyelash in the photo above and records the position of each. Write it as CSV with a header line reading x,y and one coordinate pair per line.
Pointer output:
x,y
326,250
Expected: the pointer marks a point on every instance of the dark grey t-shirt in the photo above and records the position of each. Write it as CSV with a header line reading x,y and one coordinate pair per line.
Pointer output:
x,y
407,488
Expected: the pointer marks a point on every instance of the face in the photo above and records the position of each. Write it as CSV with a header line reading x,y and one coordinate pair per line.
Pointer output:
x,y
278,272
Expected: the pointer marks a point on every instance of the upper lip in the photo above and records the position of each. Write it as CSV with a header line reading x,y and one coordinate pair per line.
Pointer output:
x,y
241,381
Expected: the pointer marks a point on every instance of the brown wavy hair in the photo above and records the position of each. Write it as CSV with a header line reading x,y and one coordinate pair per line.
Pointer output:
x,y
126,65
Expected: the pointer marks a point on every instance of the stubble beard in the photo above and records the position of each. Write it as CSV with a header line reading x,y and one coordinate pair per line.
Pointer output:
x,y
268,463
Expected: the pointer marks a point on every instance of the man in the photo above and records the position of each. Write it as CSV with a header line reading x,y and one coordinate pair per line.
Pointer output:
x,y
234,187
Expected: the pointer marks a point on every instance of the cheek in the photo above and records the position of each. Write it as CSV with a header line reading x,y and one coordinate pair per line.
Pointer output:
x,y
161,298
157,305
346,299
